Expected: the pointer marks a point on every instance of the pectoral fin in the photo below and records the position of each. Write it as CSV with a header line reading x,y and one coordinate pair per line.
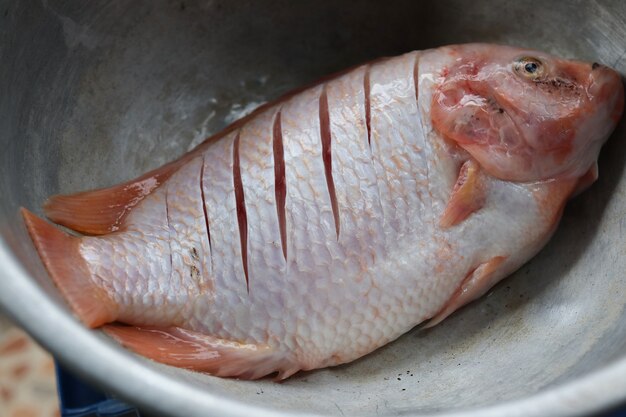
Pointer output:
x,y
187,349
476,284
468,195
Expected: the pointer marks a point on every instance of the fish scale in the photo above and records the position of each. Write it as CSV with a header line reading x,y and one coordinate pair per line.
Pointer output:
x,y
397,147
358,197
328,223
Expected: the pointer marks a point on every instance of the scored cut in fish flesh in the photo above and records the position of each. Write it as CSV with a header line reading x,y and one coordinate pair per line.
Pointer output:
x,y
330,222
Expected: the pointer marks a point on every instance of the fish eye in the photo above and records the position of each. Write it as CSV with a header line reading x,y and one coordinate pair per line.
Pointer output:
x,y
529,67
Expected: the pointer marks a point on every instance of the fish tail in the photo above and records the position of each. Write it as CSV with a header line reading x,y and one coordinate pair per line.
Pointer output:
x,y
61,256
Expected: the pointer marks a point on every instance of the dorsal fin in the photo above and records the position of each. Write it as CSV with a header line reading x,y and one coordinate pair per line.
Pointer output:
x,y
102,211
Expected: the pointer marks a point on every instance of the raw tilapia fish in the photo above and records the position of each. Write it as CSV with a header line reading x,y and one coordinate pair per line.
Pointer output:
x,y
330,222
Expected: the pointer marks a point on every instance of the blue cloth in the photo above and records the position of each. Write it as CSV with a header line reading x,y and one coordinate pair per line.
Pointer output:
x,y
79,399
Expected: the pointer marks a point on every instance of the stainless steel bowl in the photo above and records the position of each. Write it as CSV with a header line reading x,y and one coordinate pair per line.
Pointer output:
x,y
93,93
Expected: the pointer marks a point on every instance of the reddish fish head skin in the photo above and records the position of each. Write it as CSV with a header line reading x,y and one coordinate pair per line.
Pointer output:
x,y
525,115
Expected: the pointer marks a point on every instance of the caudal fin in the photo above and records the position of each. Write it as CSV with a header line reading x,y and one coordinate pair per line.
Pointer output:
x,y
61,256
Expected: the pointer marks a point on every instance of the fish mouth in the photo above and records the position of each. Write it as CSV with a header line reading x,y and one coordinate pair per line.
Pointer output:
x,y
607,88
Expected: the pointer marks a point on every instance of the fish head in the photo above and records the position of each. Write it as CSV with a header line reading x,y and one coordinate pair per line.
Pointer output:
x,y
525,115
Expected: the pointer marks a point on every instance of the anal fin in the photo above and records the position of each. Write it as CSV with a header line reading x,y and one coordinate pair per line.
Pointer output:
x,y
468,195
475,284
191,350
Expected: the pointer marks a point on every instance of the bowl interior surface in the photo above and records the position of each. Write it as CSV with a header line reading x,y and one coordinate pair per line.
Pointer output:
x,y
97,93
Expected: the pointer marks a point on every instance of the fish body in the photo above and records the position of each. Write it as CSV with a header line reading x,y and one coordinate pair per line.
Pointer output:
x,y
334,220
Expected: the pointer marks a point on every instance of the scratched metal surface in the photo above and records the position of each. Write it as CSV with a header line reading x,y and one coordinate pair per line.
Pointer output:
x,y
92,94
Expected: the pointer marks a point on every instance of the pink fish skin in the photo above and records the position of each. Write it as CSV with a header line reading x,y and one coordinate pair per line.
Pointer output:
x,y
330,222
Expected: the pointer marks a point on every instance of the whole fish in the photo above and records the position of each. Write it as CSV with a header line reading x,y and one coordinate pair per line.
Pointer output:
x,y
330,222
